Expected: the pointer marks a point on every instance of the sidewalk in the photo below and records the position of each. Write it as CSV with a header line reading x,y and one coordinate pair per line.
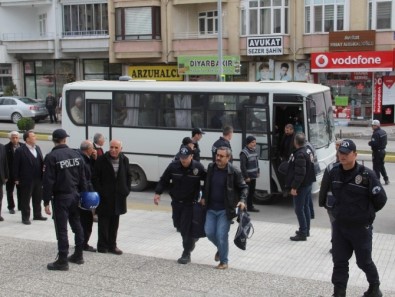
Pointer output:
x,y
271,266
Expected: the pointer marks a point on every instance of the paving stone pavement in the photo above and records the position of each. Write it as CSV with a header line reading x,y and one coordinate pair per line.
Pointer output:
x,y
272,265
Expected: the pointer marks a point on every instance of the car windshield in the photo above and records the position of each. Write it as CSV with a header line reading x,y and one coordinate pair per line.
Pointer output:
x,y
28,100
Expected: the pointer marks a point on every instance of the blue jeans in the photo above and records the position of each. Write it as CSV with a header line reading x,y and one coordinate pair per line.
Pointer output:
x,y
217,231
302,209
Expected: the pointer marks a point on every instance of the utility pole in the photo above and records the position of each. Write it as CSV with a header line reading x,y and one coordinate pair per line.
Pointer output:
x,y
220,58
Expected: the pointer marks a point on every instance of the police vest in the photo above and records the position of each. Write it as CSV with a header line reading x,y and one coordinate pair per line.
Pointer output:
x,y
252,163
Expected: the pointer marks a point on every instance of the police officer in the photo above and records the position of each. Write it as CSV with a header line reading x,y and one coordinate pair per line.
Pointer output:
x,y
63,180
378,144
223,141
197,135
358,195
185,175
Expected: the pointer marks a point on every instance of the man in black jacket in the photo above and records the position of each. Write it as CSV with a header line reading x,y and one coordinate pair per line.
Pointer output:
x,y
50,105
224,190
358,195
10,185
378,144
299,180
63,180
112,179
28,173
185,175
223,141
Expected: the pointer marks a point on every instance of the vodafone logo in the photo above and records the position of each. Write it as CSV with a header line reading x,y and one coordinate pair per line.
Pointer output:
x,y
321,61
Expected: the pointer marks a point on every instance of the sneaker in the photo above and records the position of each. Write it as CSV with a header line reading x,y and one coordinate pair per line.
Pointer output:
x,y
222,266
76,259
373,291
216,257
59,264
298,237
297,232
185,259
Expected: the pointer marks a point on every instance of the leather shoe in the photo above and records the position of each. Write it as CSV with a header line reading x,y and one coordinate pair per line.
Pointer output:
x,y
40,218
89,248
116,251
216,257
298,237
12,211
1,219
297,232
222,266
101,250
253,209
26,222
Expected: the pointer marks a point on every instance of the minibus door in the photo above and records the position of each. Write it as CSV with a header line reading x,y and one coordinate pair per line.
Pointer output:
x,y
99,120
256,123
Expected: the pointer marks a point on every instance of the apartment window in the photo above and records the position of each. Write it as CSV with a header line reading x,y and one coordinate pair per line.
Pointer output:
x,y
85,19
261,17
42,18
5,77
137,23
102,69
324,15
380,14
208,22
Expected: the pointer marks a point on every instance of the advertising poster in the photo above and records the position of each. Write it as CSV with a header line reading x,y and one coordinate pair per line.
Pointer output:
x,y
302,71
389,90
283,71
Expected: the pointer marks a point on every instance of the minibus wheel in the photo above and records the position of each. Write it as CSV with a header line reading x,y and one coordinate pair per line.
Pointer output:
x,y
139,179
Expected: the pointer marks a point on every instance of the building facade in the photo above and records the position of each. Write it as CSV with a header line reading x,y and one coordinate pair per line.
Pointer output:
x,y
179,40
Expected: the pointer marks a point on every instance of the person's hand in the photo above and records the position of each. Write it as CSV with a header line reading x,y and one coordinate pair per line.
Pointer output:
x,y
47,210
202,202
294,192
156,199
241,205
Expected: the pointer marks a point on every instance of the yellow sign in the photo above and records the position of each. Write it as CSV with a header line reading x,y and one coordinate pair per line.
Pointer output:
x,y
169,72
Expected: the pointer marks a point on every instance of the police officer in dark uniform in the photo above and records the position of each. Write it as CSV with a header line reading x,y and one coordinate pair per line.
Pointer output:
x,y
378,144
185,175
63,180
357,196
197,135
223,141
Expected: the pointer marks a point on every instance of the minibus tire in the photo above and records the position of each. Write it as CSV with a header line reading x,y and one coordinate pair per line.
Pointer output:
x,y
263,198
139,179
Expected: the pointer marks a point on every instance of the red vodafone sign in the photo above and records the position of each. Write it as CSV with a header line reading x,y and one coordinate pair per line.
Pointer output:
x,y
352,61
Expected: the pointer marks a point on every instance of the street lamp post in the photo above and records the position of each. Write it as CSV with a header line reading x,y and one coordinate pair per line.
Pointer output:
x,y
220,58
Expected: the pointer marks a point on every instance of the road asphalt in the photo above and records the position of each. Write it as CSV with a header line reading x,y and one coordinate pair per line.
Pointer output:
x,y
271,266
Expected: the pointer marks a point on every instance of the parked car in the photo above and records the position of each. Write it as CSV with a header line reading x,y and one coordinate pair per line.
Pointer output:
x,y
14,108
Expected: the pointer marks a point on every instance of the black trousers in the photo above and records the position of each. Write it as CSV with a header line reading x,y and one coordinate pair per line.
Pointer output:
x,y
52,115
34,191
65,208
107,231
86,217
345,241
10,186
378,164
251,192
1,196
182,219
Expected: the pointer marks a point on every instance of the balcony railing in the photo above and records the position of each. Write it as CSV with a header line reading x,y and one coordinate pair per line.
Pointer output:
x,y
94,33
197,35
27,36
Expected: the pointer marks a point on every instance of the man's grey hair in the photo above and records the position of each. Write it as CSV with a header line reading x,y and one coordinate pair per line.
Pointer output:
x,y
97,136
300,139
86,145
13,133
226,149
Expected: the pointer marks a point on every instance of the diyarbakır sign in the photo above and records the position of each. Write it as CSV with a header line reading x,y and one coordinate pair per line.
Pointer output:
x,y
264,46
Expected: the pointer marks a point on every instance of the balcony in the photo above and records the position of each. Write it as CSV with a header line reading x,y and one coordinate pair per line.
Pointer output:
x,y
21,43
193,43
30,3
85,41
137,49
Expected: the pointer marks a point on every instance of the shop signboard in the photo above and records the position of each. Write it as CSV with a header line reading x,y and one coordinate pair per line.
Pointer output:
x,y
265,46
208,65
352,61
352,41
378,95
159,72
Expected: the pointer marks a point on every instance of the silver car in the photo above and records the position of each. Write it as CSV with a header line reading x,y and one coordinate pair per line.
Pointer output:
x,y
14,108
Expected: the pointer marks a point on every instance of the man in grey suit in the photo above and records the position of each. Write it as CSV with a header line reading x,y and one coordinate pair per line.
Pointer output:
x,y
3,174
28,174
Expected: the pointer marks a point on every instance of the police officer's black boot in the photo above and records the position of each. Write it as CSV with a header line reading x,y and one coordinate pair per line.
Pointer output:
x,y
61,263
338,292
77,257
373,291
